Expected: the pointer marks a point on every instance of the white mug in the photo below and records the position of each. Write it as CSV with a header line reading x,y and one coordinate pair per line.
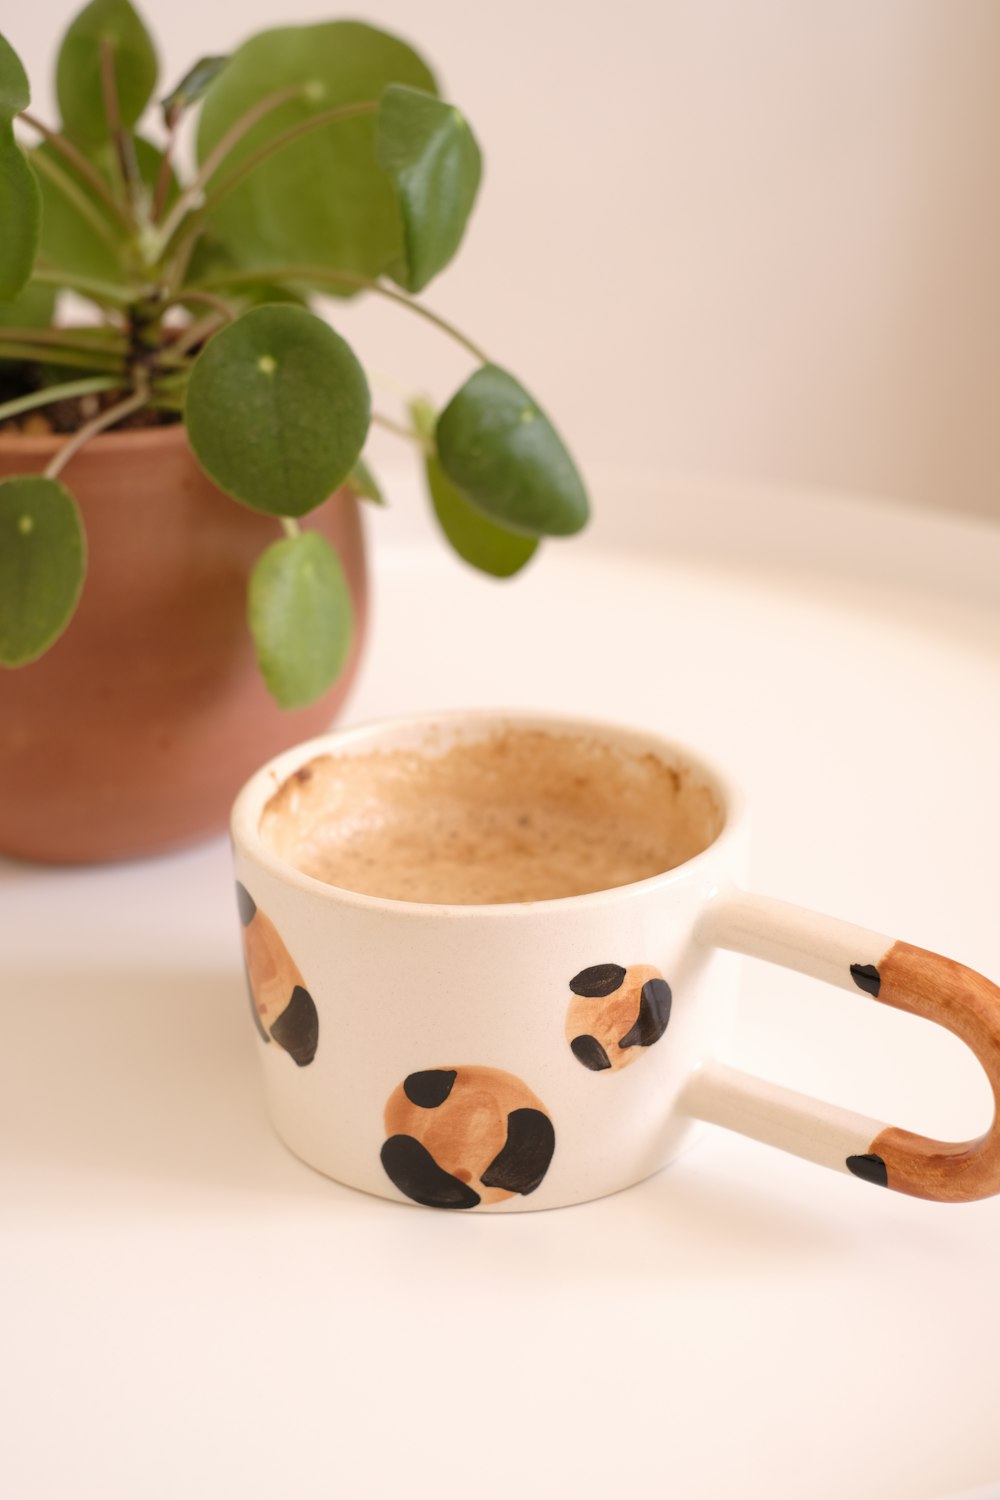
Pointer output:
x,y
537,1054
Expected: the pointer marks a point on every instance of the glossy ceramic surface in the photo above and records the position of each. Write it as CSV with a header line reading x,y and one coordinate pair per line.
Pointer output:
x,y
479,1057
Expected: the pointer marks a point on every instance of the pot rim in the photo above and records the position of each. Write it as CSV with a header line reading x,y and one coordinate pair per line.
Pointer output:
x,y
37,445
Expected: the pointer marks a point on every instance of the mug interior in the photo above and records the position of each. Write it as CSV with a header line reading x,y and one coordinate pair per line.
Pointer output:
x,y
485,809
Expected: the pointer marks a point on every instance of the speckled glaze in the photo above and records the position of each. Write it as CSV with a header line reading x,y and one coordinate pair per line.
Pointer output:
x,y
133,733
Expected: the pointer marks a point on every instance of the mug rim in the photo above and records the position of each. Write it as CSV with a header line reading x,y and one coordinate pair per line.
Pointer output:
x,y
252,797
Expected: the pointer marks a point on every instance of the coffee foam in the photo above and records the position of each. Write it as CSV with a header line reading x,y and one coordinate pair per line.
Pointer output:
x,y
519,815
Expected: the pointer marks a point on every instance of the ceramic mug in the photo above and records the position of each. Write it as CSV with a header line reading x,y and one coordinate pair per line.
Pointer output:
x,y
537,1054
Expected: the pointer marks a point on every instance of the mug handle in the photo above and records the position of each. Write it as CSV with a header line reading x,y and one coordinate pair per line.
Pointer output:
x,y
893,973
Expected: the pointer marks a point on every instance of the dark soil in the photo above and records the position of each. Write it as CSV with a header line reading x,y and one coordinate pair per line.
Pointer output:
x,y
66,416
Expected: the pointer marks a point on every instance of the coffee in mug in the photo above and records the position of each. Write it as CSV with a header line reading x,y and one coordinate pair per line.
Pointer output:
x,y
519,814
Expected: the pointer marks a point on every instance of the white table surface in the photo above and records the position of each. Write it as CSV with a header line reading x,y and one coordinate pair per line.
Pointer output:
x,y
187,1310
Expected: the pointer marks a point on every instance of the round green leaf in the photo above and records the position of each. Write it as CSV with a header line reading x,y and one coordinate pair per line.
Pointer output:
x,y
277,410
477,540
323,200
20,214
432,157
42,564
502,452
15,91
78,69
299,612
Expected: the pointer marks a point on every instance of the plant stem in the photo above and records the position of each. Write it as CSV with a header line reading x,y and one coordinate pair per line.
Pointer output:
x,y
57,393
166,400
89,340
104,419
425,312
78,359
290,525
218,154
293,133
399,430
319,274
208,298
176,273
124,150
169,389
193,335
163,176
78,198
98,291
85,168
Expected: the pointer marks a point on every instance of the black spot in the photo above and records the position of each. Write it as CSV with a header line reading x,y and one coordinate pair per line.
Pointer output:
x,y
525,1158
429,1088
297,1028
246,904
601,980
867,978
654,1013
412,1168
253,1006
588,1050
870,1168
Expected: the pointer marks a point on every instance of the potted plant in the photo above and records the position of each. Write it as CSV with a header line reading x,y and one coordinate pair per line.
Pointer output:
x,y
325,162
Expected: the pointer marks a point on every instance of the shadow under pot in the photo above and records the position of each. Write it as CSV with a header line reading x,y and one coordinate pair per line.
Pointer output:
x,y
133,733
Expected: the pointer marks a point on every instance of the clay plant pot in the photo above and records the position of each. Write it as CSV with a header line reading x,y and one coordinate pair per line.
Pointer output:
x,y
134,732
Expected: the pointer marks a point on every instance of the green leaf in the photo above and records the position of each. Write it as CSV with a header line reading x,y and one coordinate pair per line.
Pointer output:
x,y
78,69
277,410
432,157
322,200
69,242
32,308
502,452
15,91
489,547
299,612
192,88
364,484
212,260
42,565
20,215
20,201
477,540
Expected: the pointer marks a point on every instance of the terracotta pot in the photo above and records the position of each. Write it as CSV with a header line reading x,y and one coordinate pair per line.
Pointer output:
x,y
134,732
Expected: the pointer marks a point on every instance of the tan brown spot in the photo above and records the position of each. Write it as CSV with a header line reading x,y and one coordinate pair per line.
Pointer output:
x,y
273,973
609,1018
468,1131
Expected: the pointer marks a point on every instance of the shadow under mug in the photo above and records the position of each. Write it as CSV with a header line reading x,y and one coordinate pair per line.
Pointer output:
x,y
537,1054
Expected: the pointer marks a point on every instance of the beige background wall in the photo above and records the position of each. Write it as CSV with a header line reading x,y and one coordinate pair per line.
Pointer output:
x,y
719,237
